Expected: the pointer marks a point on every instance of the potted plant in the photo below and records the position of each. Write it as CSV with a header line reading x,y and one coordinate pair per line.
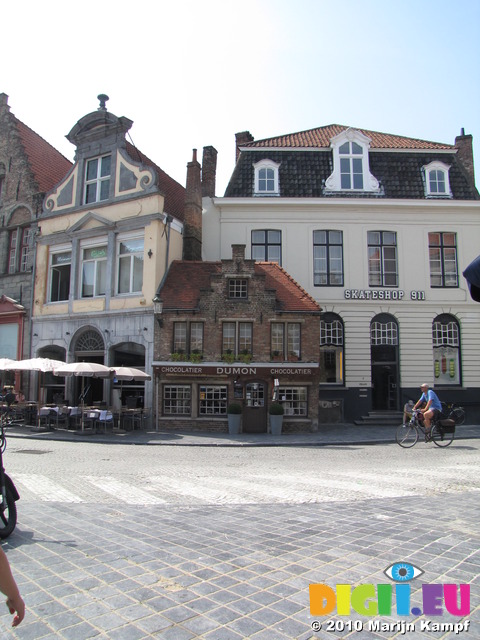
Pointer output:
x,y
228,356
276,412
234,415
196,356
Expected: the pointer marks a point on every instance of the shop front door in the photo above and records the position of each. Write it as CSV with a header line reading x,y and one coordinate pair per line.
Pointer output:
x,y
255,411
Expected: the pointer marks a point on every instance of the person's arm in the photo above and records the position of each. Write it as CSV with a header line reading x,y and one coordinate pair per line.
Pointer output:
x,y
8,586
419,402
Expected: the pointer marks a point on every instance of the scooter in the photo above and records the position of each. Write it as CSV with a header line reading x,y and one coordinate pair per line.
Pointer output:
x,y
9,494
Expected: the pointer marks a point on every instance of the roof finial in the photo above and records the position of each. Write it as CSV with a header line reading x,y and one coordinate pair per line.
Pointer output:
x,y
103,99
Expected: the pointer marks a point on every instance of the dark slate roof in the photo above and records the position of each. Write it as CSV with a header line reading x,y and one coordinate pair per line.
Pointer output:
x,y
302,174
173,191
48,165
182,288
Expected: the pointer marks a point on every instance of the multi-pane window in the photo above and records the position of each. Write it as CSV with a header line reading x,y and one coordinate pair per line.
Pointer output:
x,y
437,183
266,178
237,288
288,348
328,258
94,271
331,349
382,259
382,333
267,245
212,400
351,165
60,267
97,179
21,241
188,337
442,251
130,265
446,349
177,400
294,400
237,337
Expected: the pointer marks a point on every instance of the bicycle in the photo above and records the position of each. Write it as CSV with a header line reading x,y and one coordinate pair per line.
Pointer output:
x,y
452,411
8,493
11,416
442,431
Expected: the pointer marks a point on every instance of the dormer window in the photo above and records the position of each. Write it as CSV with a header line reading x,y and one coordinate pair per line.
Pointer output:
x,y
266,178
351,168
97,179
437,183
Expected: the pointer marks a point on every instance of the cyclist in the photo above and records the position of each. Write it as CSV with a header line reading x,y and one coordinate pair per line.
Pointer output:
x,y
432,407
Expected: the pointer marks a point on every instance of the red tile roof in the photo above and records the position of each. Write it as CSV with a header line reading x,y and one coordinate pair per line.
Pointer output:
x,y
48,165
320,138
185,279
174,192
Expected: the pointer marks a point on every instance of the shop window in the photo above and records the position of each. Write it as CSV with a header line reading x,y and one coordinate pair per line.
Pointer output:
x,y
294,401
446,350
328,258
59,276
97,179
212,400
285,340
267,245
442,251
177,400
331,349
382,259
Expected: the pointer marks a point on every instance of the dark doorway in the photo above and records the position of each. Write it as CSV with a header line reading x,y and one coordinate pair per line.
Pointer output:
x,y
384,362
255,412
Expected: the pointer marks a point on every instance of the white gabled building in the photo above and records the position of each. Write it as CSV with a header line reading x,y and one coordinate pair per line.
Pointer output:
x,y
378,228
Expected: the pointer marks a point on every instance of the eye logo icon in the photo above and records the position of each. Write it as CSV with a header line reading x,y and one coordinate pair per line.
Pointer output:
x,y
402,572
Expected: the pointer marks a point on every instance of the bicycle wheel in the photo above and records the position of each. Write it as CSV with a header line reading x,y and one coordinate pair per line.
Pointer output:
x,y
458,415
441,437
8,516
406,435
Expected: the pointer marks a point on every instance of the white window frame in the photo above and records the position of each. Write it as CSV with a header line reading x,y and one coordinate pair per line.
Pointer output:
x,y
123,240
98,263
271,180
334,181
64,249
435,168
98,180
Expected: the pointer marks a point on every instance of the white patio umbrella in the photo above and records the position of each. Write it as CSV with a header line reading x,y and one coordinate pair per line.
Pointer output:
x,y
130,373
84,370
42,365
4,362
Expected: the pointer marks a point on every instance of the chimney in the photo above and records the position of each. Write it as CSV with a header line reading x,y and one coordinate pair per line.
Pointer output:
x,y
192,226
4,101
209,171
240,139
464,144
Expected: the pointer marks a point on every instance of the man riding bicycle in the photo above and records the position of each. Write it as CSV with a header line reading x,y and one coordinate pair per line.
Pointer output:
x,y
432,407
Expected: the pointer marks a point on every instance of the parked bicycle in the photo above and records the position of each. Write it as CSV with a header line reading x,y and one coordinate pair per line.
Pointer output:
x,y
442,431
9,493
452,411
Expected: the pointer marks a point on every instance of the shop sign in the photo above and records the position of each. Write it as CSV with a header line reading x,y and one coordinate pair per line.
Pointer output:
x,y
381,294
236,370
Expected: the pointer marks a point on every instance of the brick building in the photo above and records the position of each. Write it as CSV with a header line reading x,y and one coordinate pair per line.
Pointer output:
x,y
29,168
230,331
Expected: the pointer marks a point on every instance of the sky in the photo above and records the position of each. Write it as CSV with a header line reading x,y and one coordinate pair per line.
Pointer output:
x,y
192,73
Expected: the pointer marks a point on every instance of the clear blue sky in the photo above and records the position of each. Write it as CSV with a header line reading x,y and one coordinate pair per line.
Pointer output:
x,y
192,73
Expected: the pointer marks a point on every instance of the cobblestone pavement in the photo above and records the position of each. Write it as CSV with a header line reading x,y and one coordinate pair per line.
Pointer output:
x,y
230,572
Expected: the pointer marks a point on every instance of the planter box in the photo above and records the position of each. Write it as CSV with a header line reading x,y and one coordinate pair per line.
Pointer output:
x,y
276,423
234,422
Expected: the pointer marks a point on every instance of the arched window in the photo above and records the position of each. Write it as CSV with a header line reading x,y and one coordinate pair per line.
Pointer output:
x,y
89,342
446,350
331,349
266,178
437,183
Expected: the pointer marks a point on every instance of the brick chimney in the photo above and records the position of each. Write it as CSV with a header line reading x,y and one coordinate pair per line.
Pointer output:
x,y
464,144
192,227
209,171
240,139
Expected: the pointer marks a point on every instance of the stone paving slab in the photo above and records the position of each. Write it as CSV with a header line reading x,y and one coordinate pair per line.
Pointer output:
x,y
229,572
